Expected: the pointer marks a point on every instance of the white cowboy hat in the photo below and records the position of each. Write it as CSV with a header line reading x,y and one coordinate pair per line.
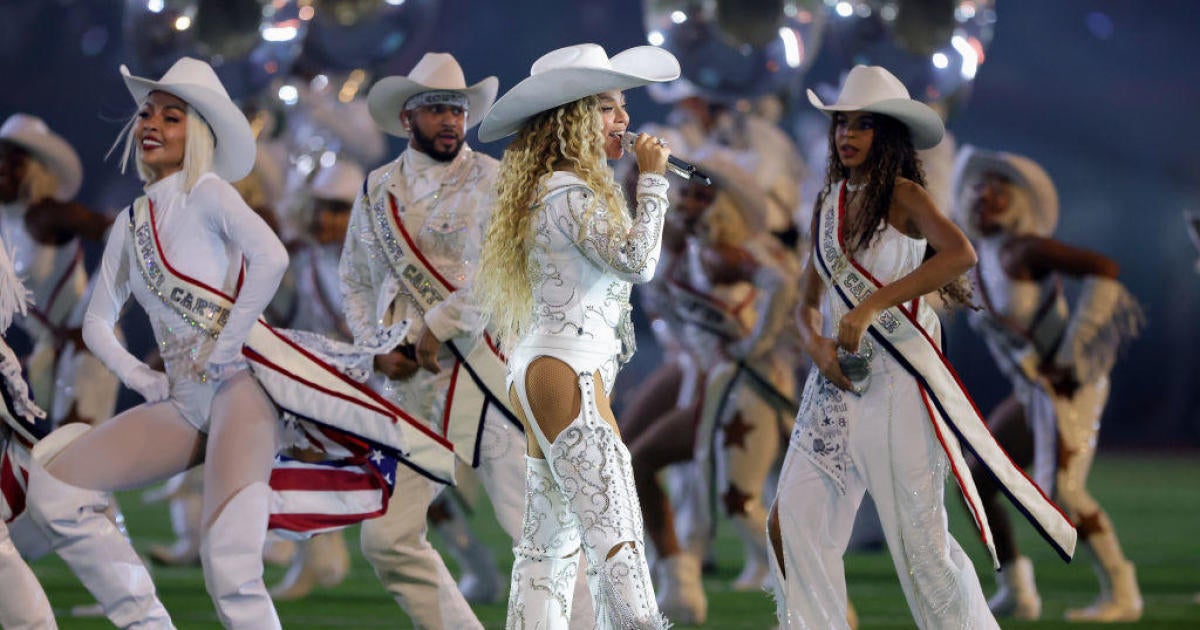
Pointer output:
x,y
571,73
1023,172
32,134
340,182
195,82
435,71
874,89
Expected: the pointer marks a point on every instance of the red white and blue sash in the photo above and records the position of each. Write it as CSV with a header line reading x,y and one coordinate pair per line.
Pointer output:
x,y
341,416
477,379
951,409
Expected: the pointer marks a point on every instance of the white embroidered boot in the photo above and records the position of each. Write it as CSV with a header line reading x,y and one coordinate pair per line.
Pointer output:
x,y
185,502
480,582
546,558
231,554
680,591
1017,596
84,537
23,603
592,467
321,561
1120,598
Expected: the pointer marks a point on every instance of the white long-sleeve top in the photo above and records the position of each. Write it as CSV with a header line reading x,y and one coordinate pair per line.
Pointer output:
x,y
205,234
445,206
582,272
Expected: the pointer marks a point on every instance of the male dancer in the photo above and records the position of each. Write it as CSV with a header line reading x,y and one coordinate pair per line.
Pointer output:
x,y
425,213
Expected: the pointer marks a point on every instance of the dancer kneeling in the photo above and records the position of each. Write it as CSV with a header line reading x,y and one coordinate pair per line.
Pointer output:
x,y
558,262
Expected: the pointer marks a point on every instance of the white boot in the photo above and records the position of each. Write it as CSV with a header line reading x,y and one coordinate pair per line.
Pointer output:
x,y
1017,596
1120,598
321,561
680,591
231,554
23,603
480,582
83,536
546,557
592,467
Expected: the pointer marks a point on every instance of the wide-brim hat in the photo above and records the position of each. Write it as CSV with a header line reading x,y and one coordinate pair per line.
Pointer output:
x,y
434,72
972,163
197,84
33,135
874,89
571,73
341,182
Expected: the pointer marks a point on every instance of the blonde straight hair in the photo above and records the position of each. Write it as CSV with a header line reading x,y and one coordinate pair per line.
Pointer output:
x,y
198,149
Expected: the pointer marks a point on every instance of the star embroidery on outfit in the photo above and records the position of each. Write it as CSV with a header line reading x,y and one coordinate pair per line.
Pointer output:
x,y
376,456
735,500
736,431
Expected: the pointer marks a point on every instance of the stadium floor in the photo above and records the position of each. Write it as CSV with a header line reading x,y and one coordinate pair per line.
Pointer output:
x,y
1154,499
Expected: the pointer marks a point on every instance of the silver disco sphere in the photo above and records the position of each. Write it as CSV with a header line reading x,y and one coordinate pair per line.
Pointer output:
x,y
935,47
734,49
248,42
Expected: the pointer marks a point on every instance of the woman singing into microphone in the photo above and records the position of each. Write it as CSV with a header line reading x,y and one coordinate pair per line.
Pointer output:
x,y
559,260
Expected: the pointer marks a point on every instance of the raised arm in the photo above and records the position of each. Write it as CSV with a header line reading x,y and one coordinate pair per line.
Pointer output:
x,y
631,255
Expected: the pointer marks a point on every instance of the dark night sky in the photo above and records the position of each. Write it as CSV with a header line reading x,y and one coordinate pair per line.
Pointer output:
x,y
1112,119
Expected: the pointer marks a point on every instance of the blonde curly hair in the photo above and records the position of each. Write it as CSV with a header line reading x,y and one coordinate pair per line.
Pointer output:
x,y
569,137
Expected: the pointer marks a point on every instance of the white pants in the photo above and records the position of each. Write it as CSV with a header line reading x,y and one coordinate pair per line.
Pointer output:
x,y
396,543
894,455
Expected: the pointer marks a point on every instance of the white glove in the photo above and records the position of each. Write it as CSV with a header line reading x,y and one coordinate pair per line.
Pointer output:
x,y
219,372
151,384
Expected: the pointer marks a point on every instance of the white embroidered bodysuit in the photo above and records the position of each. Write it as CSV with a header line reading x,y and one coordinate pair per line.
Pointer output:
x,y
204,234
581,276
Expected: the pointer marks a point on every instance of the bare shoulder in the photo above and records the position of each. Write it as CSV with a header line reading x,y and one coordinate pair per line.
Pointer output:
x,y
910,203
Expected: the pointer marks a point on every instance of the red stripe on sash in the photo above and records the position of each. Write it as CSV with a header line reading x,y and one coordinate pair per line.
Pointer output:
x,y
937,351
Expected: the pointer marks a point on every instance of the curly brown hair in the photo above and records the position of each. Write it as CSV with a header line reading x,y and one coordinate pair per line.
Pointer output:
x,y
891,156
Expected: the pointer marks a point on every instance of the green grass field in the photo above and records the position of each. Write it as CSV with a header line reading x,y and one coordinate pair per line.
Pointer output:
x,y
1154,500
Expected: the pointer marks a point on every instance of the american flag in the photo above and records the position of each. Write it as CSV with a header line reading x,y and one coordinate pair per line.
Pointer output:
x,y
353,483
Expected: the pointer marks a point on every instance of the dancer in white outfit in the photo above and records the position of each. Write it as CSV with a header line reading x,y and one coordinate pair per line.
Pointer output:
x,y
1058,360
183,250
23,603
427,210
558,262
875,410
39,175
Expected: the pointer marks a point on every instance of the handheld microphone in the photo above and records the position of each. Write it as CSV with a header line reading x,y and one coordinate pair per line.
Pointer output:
x,y
675,165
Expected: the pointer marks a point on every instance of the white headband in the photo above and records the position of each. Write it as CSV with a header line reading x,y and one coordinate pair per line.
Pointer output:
x,y
437,97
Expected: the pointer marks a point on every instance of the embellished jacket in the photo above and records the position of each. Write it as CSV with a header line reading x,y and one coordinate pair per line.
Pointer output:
x,y
445,207
582,271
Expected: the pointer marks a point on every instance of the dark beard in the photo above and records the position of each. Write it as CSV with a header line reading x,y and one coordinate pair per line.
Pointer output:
x,y
425,144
